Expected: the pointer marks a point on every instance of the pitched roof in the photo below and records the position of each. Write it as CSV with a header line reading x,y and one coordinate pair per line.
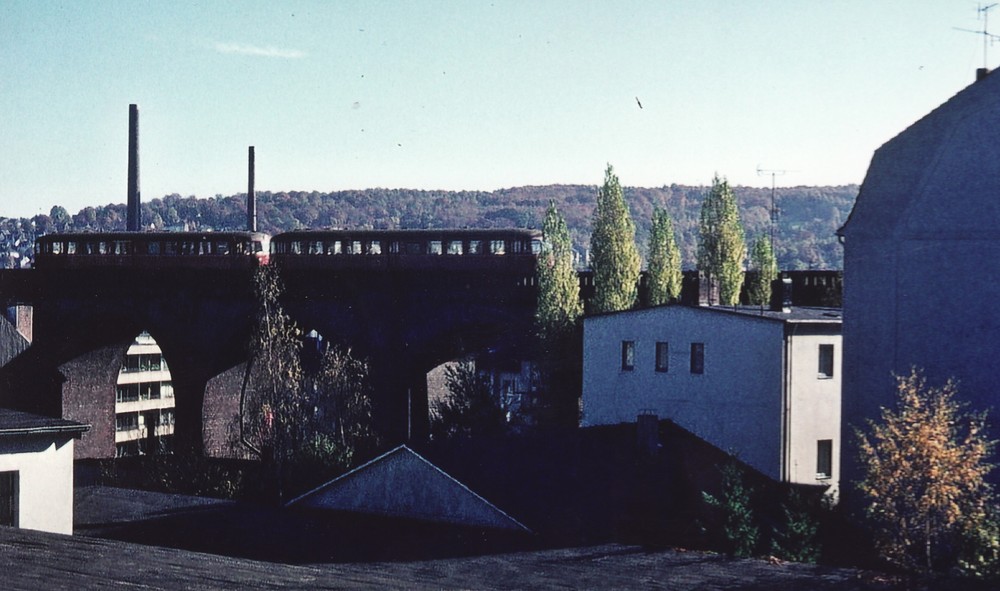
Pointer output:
x,y
15,422
938,177
402,483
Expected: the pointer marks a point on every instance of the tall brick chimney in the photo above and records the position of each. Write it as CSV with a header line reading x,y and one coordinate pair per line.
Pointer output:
x,y
133,214
251,197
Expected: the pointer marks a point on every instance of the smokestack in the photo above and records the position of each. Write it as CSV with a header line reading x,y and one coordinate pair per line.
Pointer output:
x,y
982,73
251,197
133,215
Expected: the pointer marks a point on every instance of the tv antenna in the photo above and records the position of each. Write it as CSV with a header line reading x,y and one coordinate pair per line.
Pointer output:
x,y
983,11
774,210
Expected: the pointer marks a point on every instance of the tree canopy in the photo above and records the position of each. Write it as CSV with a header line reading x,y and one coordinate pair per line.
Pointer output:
x,y
722,248
765,268
664,274
614,257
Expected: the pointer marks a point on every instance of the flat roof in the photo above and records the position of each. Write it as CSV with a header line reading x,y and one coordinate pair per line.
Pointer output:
x,y
796,314
15,422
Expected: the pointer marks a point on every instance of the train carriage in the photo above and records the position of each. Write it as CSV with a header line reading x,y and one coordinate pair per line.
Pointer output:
x,y
210,250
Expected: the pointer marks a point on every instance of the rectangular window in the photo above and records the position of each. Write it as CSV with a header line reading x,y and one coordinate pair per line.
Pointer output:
x,y
434,247
825,361
628,355
698,358
662,357
475,247
496,247
824,458
8,498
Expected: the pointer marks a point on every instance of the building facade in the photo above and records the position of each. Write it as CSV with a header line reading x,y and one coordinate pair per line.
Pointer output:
x,y
921,260
144,401
36,471
764,385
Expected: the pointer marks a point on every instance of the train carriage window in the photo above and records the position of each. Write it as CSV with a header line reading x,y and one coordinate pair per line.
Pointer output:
x,y
356,247
71,247
222,247
454,247
333,247
475,247
434,247
497,247
516,246
204,248
170,248
536,246
153,247
413,248
316,247
375,247
296,247
57,248
394,247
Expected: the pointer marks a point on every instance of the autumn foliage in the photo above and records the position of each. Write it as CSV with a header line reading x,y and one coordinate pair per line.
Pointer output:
x,y
925,467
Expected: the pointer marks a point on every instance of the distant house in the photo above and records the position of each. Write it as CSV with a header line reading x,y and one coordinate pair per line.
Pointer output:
x,y
762,384
36,471
922,259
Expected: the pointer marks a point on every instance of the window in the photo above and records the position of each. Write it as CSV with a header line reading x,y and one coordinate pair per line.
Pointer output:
x,y
375,247
497,247
628,355
825,361
824,458
662,357
8,498
434,247
475,247
127,422
455,247
698,358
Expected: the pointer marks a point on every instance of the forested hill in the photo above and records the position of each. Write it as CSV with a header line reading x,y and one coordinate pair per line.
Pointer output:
x,y
808,218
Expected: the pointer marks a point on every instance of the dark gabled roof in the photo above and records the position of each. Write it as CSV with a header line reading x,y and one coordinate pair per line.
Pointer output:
x,y
15,422
402,483
940,176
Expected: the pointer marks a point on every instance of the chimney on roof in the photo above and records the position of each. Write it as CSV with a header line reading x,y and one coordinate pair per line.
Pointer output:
x,y
781,295
251,195
133,214
982,73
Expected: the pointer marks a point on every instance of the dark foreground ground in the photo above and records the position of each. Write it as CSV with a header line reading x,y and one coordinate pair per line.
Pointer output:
x,y
35,560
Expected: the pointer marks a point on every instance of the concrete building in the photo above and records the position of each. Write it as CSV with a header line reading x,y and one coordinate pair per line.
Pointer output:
x,y
144,401
922,258
764,385
36,471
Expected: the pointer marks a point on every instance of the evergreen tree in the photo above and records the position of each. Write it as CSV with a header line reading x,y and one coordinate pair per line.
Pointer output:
x,y
766,266
664,269
614,255
559,304
925,467
721,246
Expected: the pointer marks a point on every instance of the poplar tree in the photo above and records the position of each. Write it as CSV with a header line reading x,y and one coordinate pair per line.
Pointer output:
x,y
614,255
721,246
557,320
559,304
766,266
664,268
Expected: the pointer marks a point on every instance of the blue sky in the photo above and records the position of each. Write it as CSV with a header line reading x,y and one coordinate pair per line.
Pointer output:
x,y
462,94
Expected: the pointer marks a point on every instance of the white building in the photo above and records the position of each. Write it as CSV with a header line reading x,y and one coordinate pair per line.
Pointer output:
x,y
762,384
922,260
144,401
36,471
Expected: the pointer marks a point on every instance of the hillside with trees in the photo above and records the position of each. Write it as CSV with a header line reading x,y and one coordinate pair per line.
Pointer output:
x,y
805,239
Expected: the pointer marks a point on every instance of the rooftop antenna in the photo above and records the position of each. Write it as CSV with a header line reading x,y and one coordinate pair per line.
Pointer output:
x,y
774,210
983,11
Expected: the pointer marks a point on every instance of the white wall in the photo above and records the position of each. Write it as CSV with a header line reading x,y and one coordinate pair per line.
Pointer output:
x,y
45,480
735,404
814,409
